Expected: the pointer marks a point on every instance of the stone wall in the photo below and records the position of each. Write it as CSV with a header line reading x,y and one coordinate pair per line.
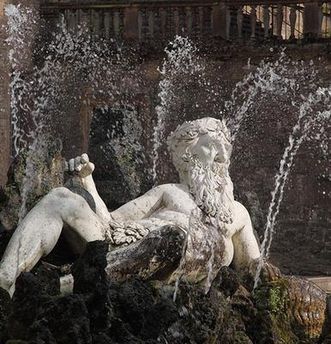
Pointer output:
x,y
4,101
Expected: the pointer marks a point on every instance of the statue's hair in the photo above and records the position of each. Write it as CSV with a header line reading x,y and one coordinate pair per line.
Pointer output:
x,y
187,134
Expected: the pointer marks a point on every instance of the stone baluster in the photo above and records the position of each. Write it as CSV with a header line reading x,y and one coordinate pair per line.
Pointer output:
x,y
320,20
74,20
228,21
151,21
201,23
116,22
130,23
219,20
312,20
266,20
95,23
240,17
279,21
176,20
188,19
83,18
140,25
66,18
293,20
163,16
253,21
106,24
68,15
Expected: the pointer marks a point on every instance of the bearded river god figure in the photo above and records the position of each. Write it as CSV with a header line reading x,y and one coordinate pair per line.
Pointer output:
x,y
200,213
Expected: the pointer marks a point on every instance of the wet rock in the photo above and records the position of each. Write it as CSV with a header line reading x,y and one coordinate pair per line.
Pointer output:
x,y
26,304
4,240
89,269
48,278
135,310
62,320
90,280
47,165
228,281
39,317
4,310
130,312
205,318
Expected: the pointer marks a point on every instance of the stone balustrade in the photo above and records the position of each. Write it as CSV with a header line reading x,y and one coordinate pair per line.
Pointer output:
x,y
159,21
281,21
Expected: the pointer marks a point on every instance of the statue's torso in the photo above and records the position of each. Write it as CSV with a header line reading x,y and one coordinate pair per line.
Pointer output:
x,y
178,203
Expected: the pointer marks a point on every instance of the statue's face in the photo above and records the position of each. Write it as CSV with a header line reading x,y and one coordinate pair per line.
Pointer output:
x,y
212,147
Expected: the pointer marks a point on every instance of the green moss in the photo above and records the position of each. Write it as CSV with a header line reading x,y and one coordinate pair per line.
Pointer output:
x,y
272,296
272,302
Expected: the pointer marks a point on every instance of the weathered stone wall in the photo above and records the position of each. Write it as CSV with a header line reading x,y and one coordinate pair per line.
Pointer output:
x,y
4,101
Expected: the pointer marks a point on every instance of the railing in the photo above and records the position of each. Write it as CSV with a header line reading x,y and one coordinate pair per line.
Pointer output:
x,y
285,22
157,21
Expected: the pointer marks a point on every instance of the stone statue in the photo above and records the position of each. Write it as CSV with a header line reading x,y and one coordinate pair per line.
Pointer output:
x,y
216,229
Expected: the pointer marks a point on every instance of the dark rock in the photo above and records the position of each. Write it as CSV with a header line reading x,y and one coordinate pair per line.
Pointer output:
x,y
89,269
4,311
49,279
90,280
144,311
26,303
4,240
48,168
205,318
125,312
102,338
62,320
228,281
39,317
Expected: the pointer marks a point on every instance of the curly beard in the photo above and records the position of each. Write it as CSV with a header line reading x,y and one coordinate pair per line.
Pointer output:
x,y
212,190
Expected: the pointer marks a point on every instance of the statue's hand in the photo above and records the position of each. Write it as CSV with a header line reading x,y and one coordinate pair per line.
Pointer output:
x,y
80,165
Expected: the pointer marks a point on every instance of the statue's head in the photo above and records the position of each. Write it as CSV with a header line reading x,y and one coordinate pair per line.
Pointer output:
x,y
201,151
207,140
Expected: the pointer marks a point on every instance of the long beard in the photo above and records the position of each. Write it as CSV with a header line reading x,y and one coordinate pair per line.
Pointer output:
x,y
211,190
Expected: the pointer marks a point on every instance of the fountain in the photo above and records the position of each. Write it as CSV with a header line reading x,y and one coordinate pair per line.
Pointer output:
x,y
181,64
175,240
308,116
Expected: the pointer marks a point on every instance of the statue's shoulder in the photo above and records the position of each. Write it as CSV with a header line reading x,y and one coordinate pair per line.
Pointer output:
x,y
173,186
